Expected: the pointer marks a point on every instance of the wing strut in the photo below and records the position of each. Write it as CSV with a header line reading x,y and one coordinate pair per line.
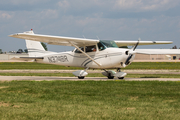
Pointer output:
x,y
85,53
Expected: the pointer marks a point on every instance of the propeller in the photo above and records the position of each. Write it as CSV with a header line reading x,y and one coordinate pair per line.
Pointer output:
x,y
132,52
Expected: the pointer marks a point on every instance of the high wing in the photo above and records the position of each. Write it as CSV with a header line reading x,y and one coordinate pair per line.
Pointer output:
x,y
69,41
158,51
55,40
132,43
58,40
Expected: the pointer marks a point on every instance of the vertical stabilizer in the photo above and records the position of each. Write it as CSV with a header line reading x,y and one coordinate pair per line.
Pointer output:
x,y
35,49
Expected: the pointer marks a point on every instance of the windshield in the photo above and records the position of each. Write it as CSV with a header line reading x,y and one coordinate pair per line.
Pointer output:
x,y
108,43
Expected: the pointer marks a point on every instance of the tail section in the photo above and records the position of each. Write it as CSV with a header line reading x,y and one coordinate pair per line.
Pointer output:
x,y
35,49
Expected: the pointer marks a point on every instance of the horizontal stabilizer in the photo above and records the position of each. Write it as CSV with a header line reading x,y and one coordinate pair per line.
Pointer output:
x,y
27,58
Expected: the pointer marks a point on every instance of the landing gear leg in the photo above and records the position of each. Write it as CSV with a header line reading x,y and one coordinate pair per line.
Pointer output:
x,y
119,70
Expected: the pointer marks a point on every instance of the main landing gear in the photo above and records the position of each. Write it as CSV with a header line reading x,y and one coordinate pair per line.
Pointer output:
x,y
81,73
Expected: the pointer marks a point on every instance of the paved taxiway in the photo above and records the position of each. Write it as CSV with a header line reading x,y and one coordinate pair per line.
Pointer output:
x,y
42,78
94,71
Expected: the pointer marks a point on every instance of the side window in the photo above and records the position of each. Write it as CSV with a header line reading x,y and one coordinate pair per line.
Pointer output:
x,y
101,46
77,51
91,48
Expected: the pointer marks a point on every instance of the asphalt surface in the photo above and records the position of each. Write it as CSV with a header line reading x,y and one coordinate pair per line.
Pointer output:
x,y
94,71
45,78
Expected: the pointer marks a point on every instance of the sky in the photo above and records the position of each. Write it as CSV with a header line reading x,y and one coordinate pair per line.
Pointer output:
x,y
154,20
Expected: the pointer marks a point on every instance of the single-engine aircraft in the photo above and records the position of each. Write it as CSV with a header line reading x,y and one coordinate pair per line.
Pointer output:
x,y
88,53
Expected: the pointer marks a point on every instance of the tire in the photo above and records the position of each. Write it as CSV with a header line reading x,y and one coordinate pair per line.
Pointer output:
x,y
81,77
120,77
110,77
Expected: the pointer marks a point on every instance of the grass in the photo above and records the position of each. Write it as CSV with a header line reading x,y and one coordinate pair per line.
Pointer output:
x,y
32,65
134,65
153,75
154,65
93,75
89,100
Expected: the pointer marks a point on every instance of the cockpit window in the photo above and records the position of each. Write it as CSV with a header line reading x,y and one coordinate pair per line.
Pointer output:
x,y
87,49
101,46
91,48
108,43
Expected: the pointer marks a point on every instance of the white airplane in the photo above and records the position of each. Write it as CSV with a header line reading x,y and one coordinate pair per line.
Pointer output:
x,y
88,53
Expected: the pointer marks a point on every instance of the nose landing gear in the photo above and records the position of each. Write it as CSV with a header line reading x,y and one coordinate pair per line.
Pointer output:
x,y
119,70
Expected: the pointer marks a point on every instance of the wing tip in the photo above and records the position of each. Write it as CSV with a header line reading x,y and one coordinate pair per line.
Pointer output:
x,y
12,35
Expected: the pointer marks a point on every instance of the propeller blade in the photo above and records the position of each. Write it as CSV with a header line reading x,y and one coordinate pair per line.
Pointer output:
x,y
128,59
131,53
136,44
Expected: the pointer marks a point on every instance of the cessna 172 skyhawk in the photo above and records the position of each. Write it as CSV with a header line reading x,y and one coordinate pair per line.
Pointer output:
x,y
88,53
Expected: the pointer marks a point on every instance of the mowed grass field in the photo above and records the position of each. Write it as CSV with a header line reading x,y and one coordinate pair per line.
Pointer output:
x,y
116,99
149,100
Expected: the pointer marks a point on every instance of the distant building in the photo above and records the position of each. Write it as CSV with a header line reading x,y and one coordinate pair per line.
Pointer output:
x,y
156,57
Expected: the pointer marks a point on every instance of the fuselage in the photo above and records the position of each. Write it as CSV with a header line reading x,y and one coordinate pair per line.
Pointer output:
x,y
105,53
108,58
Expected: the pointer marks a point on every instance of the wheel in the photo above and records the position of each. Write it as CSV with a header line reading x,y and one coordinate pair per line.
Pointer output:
x,y
81,77
120,77
110,77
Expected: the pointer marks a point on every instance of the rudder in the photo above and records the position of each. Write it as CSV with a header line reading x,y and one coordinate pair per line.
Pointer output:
x,y
35,49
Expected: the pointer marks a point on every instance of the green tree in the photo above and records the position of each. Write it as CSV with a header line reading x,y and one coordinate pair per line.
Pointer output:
x,y
0,51
175,47
25,50
44,45
19,51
